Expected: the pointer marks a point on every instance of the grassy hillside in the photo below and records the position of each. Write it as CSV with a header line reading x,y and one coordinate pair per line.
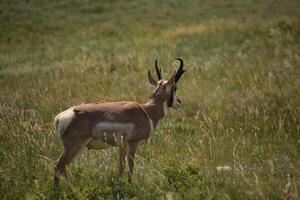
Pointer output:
x,y
241,96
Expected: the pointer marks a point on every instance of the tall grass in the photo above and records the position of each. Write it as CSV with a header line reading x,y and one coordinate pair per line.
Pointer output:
x,y
240,95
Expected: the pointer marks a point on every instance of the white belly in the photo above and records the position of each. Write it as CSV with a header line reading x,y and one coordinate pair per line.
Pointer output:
x,y
108,134
113,127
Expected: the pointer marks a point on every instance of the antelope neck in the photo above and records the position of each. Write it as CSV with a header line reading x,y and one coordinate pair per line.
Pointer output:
x,y
155,110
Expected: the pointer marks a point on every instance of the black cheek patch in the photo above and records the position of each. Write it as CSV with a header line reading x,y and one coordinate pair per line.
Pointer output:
x,y
170,101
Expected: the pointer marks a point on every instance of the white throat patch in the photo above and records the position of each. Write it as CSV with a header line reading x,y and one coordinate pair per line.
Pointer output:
x,y
165,107
151,126
168,90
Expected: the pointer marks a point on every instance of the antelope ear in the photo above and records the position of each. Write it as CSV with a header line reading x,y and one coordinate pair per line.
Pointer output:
x,y
171,81
151,80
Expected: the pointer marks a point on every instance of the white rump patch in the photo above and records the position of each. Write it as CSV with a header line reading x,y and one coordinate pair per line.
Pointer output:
x,y
62,120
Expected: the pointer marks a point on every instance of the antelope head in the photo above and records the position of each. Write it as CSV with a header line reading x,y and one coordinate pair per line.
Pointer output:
x,y
165,91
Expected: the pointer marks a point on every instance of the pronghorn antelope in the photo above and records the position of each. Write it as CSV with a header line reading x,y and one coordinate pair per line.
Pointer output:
x,y
123,124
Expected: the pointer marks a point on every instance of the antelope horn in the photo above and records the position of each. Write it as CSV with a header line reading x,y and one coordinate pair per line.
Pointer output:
x,y
158,71
180,70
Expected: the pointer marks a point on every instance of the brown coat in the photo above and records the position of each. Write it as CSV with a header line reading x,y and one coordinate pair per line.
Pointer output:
x,y
87,116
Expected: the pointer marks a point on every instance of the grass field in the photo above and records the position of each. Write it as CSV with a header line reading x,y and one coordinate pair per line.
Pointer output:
x,y
241,96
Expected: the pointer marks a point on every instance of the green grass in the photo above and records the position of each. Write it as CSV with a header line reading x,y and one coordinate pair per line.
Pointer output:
x,y
241,96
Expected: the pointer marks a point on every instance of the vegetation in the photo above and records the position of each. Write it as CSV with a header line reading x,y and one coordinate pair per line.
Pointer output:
x,y
241,96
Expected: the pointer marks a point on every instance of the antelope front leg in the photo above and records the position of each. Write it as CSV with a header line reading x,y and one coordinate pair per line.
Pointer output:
x,y
132,147
122,154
